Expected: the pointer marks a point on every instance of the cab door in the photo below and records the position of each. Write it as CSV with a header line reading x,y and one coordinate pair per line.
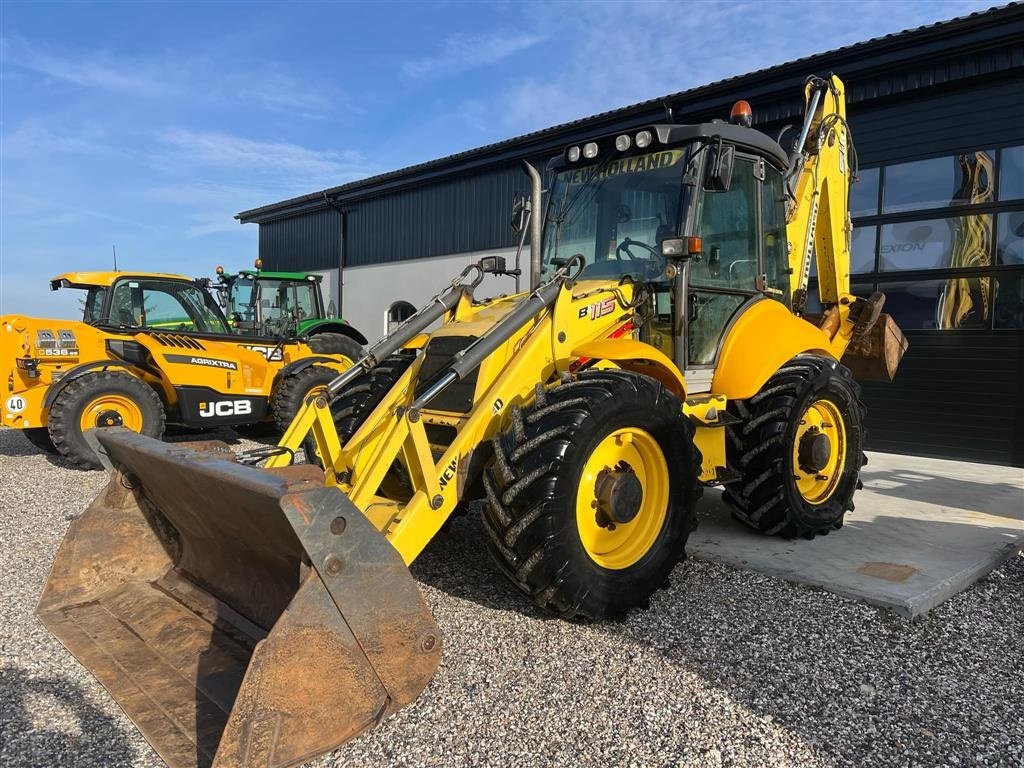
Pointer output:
x,y
730,272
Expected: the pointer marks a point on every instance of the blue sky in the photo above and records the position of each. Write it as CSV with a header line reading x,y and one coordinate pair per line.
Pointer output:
x,y
149,125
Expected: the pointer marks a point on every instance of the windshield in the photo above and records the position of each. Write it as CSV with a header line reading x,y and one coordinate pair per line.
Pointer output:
x,y
616,214
241,301
166,305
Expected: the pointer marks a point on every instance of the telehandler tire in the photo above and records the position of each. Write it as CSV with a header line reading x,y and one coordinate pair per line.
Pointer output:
x,y
336,344
355,403
291,392
799,450
40,438
592,494
102,399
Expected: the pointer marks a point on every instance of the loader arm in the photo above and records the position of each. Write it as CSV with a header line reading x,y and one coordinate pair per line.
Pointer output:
x,y
817,217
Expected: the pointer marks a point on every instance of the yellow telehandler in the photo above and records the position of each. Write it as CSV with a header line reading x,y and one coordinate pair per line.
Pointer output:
x,y
247,616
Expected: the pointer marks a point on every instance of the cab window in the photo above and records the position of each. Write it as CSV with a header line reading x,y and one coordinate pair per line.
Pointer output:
x,y
728,225
164,305
776,251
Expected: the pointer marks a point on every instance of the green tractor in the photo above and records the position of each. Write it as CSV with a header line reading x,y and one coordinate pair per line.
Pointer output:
x,y
286,305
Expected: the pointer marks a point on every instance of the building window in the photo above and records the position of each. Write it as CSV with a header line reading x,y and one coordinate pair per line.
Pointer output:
x,y
954,242
939,182
398,312
956,303
1011,173
862,250
1009,309
1010,239
864,194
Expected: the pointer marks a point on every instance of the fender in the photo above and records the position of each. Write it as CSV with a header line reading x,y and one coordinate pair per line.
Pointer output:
x,y
303,364
632,355
336,326
80,370
758,343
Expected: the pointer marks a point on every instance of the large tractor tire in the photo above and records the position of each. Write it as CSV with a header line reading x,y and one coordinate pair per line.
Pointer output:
x,y
336,344
799,450
592,494
40,438
102,399
355,403
291,391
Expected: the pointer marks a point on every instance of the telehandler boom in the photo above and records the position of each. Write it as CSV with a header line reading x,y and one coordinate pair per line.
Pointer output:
x,y
248,616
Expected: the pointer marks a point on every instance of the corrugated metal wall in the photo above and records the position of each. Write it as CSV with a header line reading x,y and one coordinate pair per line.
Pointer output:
x,y
459,214
310,241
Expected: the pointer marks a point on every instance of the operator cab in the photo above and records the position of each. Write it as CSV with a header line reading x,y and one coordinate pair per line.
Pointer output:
x,y
271,304
695,211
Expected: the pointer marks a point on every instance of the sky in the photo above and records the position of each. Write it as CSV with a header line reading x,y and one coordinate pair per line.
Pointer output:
x,y
148,126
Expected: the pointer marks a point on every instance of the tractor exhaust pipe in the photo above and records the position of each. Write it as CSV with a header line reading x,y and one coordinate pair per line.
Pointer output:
x,y
536,224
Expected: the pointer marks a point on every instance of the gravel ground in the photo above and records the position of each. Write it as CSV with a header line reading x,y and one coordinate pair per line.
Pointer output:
x,y
727,668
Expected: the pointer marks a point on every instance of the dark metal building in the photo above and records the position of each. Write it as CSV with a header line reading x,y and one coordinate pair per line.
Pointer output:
x,y
925,106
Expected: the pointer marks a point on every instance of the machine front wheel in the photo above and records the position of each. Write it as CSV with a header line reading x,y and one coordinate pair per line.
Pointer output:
x,y
592,493
799,450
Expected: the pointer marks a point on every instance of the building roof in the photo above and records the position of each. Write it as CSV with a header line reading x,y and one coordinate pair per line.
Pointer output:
x,y
885,50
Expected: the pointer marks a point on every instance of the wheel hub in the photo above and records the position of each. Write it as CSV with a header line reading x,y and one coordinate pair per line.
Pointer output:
x,y
814,451
619,496
109,418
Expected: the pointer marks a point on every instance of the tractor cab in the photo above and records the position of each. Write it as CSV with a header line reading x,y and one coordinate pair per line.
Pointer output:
x,y
272,304
697,212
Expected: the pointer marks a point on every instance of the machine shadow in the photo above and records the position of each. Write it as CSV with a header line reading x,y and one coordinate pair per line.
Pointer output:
x,y
29,705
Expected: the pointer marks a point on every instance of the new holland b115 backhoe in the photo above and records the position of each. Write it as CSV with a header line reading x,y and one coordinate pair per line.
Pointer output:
x,y
260,616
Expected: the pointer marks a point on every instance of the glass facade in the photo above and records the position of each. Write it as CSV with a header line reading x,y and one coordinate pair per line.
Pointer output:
x,y
943,238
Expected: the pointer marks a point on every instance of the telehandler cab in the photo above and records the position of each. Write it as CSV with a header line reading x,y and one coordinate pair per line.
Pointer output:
x,y
247,616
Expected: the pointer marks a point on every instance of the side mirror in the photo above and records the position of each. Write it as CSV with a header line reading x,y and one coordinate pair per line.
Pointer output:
x,y
520,212
720,162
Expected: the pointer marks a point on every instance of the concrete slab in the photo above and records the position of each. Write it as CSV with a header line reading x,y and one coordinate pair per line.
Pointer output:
x,y
923,530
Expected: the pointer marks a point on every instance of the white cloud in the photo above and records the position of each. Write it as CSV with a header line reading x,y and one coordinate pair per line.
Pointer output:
x,y
461,52
223,150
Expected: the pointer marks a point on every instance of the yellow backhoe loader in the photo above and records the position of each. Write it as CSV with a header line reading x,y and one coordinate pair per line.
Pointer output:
x,y
247,616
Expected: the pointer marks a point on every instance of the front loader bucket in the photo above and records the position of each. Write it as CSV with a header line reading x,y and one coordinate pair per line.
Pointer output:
x,y
240,617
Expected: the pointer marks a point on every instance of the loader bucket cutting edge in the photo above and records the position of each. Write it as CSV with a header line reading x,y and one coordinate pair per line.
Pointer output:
x,y
240,617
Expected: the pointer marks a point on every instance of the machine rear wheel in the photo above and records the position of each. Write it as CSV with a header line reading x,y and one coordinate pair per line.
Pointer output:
x,y
592,493
799,450
291,392
336,344
103,399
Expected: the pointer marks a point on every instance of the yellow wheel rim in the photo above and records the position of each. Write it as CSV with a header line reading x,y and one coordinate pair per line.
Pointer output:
x,y
620,545
111,410
816,476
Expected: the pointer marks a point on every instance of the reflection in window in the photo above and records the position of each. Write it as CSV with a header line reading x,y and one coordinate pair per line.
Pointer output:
x,y
862,250
1009,311
1010,240
1011,173
941,181
954,304
864,194
959,241
864,290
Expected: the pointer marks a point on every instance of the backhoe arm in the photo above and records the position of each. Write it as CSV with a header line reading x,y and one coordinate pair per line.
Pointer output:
x,y
819,177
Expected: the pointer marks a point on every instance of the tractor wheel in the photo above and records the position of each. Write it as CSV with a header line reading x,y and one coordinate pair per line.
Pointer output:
x,y
40,438
290,393
592,494
104,399
355,403
336,344
799,450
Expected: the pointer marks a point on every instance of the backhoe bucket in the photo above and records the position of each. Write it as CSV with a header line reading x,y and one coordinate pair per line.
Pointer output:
x,y
240,617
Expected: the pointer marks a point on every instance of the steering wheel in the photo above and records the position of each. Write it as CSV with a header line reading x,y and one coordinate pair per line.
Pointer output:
x,y
623,247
